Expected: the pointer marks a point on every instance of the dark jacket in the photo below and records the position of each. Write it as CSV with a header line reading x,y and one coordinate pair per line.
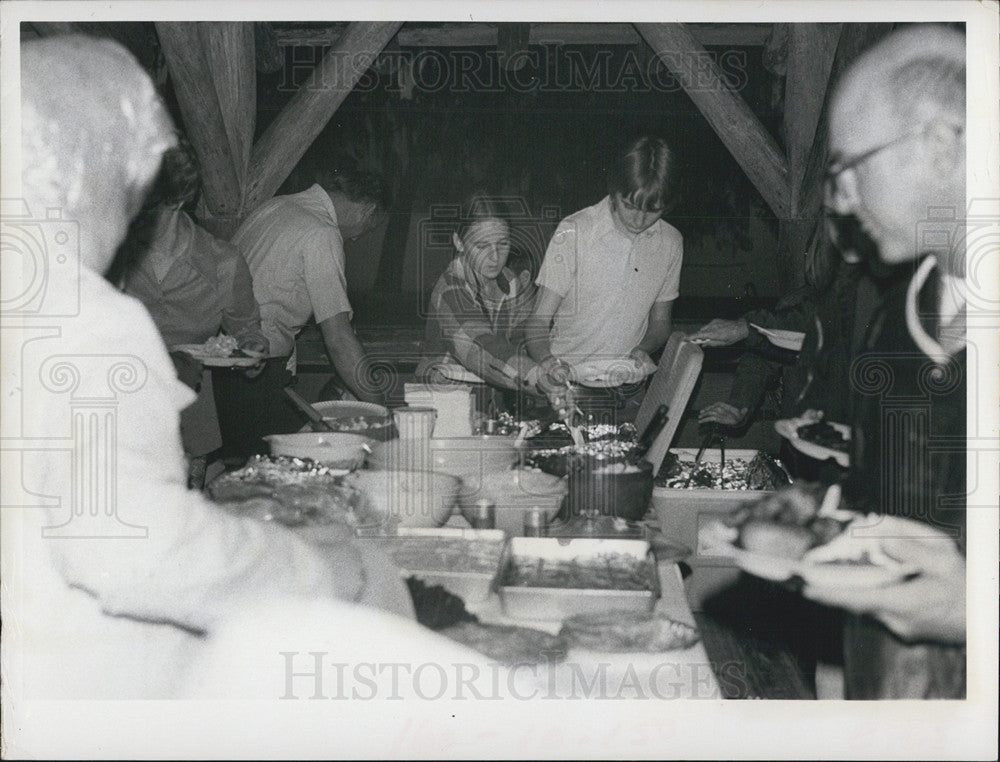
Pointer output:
x,y
908,459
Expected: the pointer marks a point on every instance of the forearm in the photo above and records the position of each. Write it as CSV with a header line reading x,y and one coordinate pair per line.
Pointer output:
x,y
348,357
656,336
497,368
537,341
195,560
657,328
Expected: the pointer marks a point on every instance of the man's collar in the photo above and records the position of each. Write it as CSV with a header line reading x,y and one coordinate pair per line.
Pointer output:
x,y
950,339
323,198
608,226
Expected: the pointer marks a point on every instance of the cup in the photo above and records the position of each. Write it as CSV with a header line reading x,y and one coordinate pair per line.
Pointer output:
x,y
414,422
415,426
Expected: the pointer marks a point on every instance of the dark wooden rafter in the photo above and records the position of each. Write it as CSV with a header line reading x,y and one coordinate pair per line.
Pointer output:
x,y
725,110
212,68
811,50
809,60
291,133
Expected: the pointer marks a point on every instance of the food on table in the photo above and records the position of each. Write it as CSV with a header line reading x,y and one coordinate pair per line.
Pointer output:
x,y
557,435
822,433
446,554
785,524
771,539
765,473
509,645
300,492
761,473
357,423
436,608
628,631
606,571
220,346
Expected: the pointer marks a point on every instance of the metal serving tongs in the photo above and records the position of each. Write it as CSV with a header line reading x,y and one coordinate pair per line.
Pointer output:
x,y
713,432
574,431
316,421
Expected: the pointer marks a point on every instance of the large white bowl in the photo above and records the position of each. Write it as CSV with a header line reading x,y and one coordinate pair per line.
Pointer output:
x,y
413,498
468,458
513,492
334,449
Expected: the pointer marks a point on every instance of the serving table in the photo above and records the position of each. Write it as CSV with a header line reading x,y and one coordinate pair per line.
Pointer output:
x,y
685,674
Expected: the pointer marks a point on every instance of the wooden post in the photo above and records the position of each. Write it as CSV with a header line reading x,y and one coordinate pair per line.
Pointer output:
x,y
292,132
728,114
811,50
212,67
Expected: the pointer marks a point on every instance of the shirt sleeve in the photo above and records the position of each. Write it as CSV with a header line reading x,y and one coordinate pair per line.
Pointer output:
x,y
470,337
559,265
195,559
754,376
323,257
671,282
240,312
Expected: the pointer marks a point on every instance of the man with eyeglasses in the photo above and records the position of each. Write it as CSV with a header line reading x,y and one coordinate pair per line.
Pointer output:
x,y
609,280
897,144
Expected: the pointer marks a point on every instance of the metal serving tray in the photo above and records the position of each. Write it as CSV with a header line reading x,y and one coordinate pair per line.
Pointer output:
x,y
551,603
471,587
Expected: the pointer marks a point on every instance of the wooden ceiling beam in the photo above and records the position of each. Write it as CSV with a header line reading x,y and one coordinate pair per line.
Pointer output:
x,y
486,34
811,50
725,110
291,133
212,68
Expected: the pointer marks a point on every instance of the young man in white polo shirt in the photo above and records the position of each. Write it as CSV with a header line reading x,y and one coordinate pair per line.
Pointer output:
x,y
610,277
294,246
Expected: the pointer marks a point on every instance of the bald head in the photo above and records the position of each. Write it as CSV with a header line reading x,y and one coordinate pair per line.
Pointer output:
x,y
897,141
93,132
914,74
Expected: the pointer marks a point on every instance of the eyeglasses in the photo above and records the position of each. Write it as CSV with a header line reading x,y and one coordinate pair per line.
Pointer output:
x,y
838,166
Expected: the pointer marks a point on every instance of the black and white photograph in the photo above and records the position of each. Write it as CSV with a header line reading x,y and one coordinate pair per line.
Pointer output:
x,y
500,380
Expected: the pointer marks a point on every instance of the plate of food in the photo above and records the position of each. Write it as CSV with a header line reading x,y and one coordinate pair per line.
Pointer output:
x,y
785,339
811,435
220,352
797,533
455,372
604,374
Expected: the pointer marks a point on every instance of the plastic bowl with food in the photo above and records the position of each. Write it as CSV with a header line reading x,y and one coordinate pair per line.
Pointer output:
x,y
513,492
365,418
333,449
467,458
411,498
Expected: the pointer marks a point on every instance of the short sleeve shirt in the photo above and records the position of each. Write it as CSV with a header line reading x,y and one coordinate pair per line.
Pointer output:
x,y
296,256
608,281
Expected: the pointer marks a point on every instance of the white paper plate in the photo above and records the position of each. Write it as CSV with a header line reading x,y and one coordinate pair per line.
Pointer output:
x,y
785,339
459,373
789,429
828,573
197,351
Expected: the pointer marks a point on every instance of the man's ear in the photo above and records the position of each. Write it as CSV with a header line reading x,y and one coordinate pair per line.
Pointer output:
x,y
944,141
458,243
